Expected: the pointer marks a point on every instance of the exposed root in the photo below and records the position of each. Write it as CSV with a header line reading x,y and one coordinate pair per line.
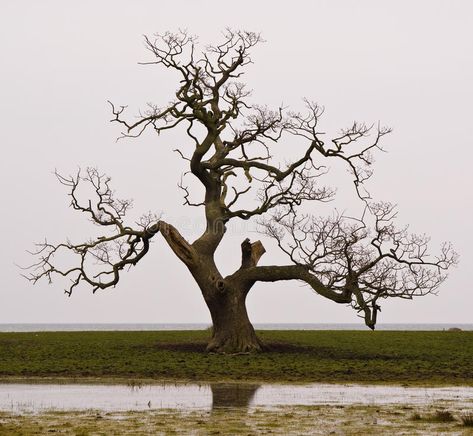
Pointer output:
x,y
235,345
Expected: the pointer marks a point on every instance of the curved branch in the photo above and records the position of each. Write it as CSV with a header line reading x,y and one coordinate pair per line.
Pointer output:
x,y
274,273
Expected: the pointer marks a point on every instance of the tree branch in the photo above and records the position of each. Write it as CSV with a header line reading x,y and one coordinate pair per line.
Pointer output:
x,y
347,255
275,273
99,262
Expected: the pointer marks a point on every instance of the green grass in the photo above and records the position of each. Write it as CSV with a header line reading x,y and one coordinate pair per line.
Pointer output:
x,y
318,356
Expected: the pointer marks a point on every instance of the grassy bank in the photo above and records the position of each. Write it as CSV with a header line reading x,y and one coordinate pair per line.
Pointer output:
x,y
296,356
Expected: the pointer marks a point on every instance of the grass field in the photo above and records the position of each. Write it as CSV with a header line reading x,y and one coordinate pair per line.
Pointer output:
x,y
305,356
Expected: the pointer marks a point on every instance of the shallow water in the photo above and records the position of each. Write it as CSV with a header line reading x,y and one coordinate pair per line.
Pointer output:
x,y
114,398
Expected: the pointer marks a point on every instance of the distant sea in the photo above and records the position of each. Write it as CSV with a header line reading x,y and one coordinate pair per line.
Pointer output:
x,y
203,326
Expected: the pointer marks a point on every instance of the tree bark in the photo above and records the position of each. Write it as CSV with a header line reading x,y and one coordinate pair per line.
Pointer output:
x,y
251,253
232,330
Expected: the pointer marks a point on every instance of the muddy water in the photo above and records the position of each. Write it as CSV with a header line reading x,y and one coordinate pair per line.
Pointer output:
x,y
114,398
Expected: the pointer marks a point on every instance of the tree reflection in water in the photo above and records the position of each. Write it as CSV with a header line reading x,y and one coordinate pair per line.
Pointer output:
x,y
232,395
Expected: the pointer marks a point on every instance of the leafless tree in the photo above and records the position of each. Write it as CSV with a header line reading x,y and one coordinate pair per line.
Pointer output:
x,y
350,261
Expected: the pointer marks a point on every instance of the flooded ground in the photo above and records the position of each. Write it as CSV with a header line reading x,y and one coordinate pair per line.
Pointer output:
x,y
27,398
233,409
281,420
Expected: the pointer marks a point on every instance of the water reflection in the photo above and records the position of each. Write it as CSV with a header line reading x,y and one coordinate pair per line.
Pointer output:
x,y
22,397
232,395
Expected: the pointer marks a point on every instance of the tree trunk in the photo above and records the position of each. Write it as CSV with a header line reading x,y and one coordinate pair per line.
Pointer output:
x,y
232,330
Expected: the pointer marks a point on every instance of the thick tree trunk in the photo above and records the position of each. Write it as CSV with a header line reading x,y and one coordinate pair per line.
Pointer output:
x,y
232,330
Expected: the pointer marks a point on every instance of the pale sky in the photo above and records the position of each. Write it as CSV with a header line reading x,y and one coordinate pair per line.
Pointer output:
x,y
408,64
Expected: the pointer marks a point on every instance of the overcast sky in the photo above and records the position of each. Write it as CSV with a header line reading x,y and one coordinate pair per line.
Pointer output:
x,y
406,63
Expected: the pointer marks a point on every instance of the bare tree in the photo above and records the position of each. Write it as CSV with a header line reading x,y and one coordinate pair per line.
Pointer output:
x,y
350,261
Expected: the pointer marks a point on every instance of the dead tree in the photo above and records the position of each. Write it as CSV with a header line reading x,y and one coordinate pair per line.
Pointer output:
x,y
357,262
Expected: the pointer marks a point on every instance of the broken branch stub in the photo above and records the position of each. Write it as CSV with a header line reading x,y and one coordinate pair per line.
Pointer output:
x,y
251,253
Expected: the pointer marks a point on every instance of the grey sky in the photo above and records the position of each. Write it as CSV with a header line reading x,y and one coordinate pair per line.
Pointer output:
x,y
408,64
